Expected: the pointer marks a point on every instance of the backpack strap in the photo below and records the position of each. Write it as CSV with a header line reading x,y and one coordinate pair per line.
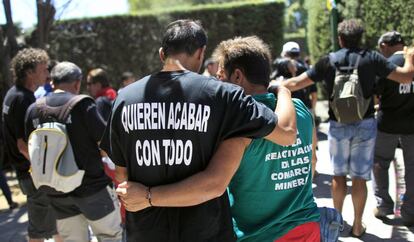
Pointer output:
x,y
355,71
67,107
60,113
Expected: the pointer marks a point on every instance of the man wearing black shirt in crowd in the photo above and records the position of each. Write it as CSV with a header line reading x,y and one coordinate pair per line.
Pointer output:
x,y
30,71
167,126
352,145
94,202
395,126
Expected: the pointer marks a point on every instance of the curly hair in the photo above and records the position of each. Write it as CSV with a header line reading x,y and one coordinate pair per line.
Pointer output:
x,y
249,54
27,59
350,31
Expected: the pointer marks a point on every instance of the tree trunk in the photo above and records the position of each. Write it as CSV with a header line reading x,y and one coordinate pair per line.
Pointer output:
x,y
8,48
45,16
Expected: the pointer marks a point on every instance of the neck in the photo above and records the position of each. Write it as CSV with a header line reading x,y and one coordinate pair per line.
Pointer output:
x,y
30,85
173,64
65,88
254,89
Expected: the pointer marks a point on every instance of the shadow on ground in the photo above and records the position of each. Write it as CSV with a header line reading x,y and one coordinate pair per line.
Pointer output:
x,y
13,225
323,186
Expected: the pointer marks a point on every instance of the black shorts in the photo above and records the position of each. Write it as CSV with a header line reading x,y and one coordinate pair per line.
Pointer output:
x,y
42,219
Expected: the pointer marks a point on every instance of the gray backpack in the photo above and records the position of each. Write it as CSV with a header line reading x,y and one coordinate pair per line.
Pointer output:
x,y
53,166
347,100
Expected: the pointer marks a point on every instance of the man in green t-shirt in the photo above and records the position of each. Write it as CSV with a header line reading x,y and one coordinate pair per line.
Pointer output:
x,y
271,192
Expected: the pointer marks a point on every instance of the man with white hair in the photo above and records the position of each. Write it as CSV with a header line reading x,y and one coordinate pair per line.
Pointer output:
x,y
93,202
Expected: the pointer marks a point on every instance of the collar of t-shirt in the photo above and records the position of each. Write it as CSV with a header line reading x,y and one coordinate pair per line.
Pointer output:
x,y
108,92
24,89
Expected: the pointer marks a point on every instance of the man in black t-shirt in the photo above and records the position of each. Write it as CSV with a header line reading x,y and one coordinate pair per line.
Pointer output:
x,y
167,126
94,202
30,71
351,146
395,126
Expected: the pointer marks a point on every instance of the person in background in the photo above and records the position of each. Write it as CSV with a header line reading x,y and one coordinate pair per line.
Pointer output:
x,y
351,146
97,83
126,79
395,119
30,71
94,202
210,67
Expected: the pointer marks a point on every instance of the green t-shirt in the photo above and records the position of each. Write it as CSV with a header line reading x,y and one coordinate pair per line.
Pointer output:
x,y
271,192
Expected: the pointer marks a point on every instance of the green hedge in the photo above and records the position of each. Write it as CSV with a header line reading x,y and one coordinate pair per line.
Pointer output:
x,y
121,43
381,16
318,29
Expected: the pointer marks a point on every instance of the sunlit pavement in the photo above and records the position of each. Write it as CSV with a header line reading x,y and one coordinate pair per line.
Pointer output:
x,y
377,230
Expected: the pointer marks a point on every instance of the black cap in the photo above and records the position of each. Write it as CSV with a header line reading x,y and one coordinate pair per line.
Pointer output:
x,y
391,38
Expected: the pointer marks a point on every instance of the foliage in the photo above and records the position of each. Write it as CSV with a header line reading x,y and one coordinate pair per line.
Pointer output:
x,y
318,29
121,43
138,6
382,16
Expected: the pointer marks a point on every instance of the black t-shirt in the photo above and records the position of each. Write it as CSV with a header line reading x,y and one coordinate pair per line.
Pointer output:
x,y
371,65
396,113
84,128
15,104
104,106
166,127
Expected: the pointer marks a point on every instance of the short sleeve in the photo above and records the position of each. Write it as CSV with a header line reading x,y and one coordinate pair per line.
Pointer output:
x,y
318,72
92,119
246,117
20,109
28,122
383,67
110,141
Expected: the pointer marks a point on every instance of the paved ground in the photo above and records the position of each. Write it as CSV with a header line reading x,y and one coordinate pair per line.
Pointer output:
x,y
13,223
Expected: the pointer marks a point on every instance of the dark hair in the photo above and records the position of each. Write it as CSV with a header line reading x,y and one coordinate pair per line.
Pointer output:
x,y
126,75
99,75
27,59
391,38
66,72
183,36
350,31
249,54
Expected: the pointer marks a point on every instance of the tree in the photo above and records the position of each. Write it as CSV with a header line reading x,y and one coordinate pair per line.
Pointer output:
x,y
8,36
8,47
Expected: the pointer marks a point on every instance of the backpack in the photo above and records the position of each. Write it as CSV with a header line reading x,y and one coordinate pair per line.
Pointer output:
x,y
347,100
331,224
53,166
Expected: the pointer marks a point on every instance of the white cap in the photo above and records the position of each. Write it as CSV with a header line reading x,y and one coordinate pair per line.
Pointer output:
x,y
290,47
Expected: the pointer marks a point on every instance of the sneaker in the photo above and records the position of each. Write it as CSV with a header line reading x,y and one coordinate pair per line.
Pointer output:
x,y
13,205
381,213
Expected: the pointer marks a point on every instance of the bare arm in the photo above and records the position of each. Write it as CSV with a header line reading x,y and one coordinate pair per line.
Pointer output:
x,y
121,174
199,188
314,157
404,74
314,100
297,82
285,131
22,146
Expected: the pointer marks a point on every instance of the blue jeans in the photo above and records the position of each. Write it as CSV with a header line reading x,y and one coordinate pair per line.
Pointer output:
x,y
351,148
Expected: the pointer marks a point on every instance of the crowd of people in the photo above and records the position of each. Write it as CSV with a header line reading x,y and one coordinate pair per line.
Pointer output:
x,y
227,155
